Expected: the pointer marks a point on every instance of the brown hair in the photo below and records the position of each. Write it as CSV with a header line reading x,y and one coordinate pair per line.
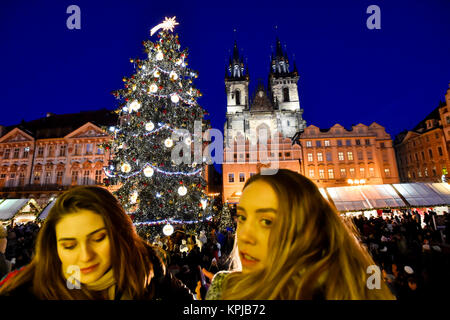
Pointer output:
x,y
130,255
311,250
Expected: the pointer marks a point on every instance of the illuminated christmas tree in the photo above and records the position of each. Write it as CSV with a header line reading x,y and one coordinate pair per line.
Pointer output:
x,y
157,148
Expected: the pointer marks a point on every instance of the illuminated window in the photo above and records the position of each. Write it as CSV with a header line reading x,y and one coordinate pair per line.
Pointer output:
x,y
319,156
310,157
321,174
311,173
330,174
350,155
341,156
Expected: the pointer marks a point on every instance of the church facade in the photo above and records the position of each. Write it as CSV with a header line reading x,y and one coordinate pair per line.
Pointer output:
x,y
259,130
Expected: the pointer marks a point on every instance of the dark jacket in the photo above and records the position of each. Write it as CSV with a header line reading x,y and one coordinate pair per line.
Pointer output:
x,y
163,286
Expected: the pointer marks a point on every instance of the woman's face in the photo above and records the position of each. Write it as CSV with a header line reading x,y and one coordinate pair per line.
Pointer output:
x,y
83,242
256,212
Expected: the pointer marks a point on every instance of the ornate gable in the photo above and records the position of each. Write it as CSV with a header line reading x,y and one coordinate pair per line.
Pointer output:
x,y
16,135
88,130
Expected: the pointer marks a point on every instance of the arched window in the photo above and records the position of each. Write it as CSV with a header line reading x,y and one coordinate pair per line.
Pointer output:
x,y
285,94
238,97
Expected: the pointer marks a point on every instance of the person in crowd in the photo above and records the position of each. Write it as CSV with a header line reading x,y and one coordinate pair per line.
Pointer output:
x,y
293,245
5,265
88,249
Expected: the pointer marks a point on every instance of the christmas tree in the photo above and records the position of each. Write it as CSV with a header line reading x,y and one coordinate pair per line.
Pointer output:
x,y
225,220
160,128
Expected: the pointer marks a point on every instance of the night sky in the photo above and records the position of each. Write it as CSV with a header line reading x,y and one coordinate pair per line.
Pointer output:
x,y
348,74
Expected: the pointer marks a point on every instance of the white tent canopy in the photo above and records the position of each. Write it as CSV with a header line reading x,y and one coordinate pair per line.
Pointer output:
x,y
46,210
424,194
9,208
348,198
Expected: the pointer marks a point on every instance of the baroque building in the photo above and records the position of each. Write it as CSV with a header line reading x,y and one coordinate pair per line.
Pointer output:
x,y
341,157
423,152
258,131
41,158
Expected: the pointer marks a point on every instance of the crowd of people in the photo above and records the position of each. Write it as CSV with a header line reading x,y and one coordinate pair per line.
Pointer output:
x,y
411,251
20,241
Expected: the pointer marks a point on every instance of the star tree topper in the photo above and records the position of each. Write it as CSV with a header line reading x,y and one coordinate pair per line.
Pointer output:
x,y
167,24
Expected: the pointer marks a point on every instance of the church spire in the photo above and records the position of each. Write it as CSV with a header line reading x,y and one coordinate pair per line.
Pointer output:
x,y
236,68
279,62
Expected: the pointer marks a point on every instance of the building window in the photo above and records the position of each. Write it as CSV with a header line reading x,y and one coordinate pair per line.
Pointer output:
x,y
25,152
343,173
419,173
437,135
50,151
7,152
328,154
330,174
348,142
40,153
448,120
37,178
434,172
321,174
425,172
59,177
440,151
352,172
12,180
371,172
417,158
77,150
2,179
423,155
358,142
318,143
21,179
311,173
86,177
382,144
430,152
369,155
252,174
319,156
360,155
308,144
367,142
327,143
385,156
241,177
387,172
287,154
98,176
48,177
340,156
310,157
89,148
238,97
231,177
350,155
339,143
16,153
362,173
99,149
74,177
62,151
286,95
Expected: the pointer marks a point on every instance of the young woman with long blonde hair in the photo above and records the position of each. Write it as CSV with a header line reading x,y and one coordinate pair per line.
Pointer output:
x,y
292,244
88,248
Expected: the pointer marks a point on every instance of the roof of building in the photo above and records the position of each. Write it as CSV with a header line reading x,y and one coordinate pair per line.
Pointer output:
x,y
56,126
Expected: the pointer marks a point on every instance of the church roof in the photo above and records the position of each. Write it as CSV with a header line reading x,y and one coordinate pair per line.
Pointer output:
x,y
261,101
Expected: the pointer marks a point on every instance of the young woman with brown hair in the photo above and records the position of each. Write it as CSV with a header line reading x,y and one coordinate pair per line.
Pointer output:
x,y
88,249
292,244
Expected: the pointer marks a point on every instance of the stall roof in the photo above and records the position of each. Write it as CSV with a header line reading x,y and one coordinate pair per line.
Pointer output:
x,y
424,194
43,215
382,196
10,207
348,198
323,192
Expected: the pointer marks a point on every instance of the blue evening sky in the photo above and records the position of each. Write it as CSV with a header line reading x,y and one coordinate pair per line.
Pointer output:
x,y
348,74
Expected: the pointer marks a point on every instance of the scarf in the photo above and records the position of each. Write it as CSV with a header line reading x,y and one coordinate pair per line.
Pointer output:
x,y
106,282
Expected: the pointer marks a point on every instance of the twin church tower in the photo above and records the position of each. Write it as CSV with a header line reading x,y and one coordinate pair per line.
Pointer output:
x,y
276,109
272,112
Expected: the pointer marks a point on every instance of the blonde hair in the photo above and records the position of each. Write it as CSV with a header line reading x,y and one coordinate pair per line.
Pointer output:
x,y
311,250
